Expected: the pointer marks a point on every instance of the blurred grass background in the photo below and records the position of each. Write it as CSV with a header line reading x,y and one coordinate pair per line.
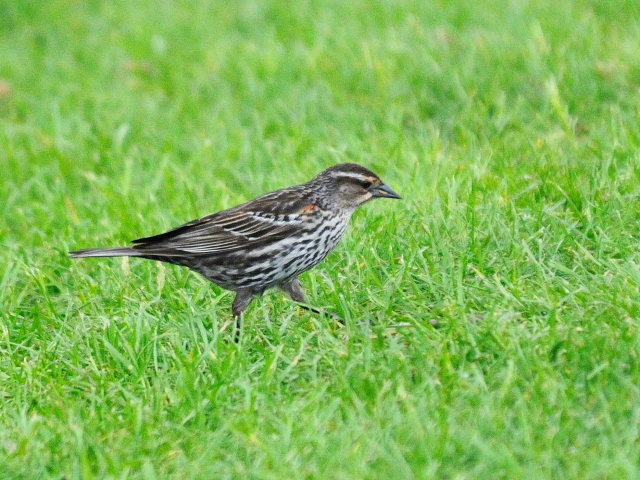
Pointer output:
x,y
511,129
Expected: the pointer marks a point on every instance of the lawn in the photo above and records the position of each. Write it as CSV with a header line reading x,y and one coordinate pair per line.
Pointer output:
x,y
505,287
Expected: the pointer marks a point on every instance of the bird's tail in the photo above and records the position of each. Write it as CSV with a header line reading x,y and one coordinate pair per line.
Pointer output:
x,y
105,252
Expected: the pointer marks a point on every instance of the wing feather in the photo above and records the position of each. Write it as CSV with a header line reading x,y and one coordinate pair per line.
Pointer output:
x,y
230,230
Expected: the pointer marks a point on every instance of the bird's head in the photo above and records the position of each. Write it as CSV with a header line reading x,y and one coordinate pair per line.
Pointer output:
x,y
350,185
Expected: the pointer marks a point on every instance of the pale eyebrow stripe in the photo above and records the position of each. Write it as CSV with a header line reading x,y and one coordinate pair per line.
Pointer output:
x,y
357,176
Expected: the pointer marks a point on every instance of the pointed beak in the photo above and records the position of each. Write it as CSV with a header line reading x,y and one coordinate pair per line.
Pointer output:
x,y
384,191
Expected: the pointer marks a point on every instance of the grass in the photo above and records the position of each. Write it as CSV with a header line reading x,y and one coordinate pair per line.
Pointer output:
x,y
512,131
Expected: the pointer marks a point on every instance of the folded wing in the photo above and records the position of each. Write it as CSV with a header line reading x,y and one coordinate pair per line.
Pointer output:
x,y
228,231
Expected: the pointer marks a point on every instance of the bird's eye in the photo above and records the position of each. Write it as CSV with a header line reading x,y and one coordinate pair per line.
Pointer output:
x,y
366,184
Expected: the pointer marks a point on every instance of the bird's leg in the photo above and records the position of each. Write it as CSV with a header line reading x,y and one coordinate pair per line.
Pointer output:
x,y
293,288
240,304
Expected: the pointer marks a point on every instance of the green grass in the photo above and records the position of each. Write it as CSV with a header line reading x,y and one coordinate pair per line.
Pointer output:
x,y
511,129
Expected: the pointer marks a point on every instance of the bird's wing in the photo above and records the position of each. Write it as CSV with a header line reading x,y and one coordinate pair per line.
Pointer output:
x,y
256,223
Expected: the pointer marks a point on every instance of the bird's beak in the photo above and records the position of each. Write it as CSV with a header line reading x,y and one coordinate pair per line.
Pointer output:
x,y
384,191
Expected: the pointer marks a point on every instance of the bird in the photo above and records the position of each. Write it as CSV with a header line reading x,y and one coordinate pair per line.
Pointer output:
x,y
266,242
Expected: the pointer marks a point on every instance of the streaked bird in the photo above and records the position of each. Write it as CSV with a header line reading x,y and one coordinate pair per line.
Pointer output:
x,y
266,242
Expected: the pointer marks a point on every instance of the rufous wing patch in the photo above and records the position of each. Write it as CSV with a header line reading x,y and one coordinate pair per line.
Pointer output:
x,y
308,209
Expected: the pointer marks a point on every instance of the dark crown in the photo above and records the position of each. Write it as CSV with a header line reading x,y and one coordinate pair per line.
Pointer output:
x,y
347,169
